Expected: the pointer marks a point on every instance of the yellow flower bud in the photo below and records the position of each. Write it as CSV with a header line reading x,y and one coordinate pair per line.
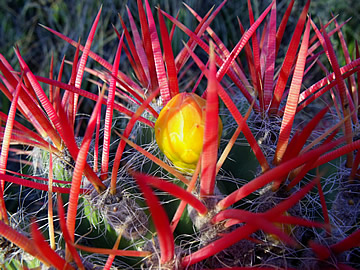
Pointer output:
x,y
179,130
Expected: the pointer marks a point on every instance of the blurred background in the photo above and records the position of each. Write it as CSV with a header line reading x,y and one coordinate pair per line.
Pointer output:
x,y
20,19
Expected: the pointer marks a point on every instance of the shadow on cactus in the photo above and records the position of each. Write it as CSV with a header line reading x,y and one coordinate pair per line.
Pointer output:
x,y
210,159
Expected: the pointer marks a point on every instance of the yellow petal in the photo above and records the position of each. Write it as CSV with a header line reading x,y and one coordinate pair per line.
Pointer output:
x,y
179,130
